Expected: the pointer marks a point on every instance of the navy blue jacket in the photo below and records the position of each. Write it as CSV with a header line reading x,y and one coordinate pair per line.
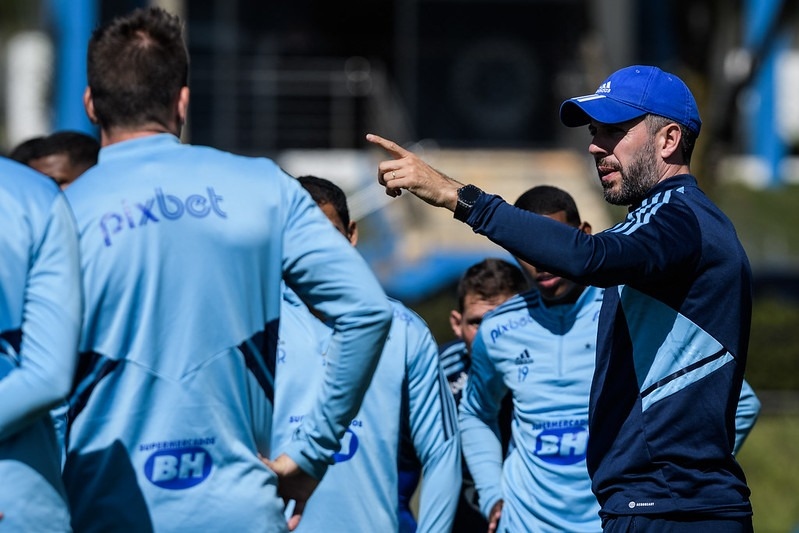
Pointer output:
x,y
671,348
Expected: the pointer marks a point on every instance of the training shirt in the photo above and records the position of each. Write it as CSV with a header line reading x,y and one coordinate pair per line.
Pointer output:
x,y
359,493
183,250
545,357
672,344
40,312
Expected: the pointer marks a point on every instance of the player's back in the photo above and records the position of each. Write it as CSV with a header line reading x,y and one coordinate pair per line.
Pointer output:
x,y
183,251
187,233
39,315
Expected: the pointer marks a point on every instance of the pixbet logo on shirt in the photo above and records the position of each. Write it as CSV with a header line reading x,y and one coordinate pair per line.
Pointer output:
x,y
160,207
513,323
178,468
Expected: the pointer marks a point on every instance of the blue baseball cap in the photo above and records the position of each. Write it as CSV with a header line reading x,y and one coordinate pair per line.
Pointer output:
x,y
630,93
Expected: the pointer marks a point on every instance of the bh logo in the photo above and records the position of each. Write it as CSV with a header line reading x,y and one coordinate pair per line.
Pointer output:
x,y
562,446
179,468
349,445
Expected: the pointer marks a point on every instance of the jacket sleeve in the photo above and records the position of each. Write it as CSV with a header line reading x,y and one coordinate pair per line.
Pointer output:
x,y
434,429
41,373
651,245
479,409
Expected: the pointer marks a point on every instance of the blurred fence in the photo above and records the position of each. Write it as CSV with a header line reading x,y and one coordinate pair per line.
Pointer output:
x,y
261,104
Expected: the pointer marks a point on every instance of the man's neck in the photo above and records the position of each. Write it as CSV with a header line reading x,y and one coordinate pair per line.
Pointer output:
x,y
567,299
674,170
117,135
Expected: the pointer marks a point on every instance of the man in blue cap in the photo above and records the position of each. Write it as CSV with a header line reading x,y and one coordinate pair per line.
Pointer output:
x,y
674,324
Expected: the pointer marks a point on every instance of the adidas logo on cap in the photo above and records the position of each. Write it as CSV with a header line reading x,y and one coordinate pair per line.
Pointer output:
x,y
604,88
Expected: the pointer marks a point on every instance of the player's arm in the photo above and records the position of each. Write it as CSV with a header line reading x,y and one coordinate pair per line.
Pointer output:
x,y
50,327
745,415
603,260
669,240
434,429
330,276
479,410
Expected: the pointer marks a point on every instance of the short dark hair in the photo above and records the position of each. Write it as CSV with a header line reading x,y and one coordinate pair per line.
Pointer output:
x,y
326,192
687,138
546,199
82,149
136,67
490,278
25,151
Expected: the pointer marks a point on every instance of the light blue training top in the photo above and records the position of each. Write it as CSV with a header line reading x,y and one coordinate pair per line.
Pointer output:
x,y
545,357
183,251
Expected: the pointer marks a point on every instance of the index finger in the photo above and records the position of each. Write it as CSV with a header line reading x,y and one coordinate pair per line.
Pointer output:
x,y
397,151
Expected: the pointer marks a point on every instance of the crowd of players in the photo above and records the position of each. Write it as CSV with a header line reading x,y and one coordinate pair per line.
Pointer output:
x,y
236,364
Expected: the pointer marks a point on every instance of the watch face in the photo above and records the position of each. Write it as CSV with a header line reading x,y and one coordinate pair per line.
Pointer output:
x,y
467,197
468,194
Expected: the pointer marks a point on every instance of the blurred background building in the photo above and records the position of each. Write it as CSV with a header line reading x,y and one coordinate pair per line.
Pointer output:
x,y
475,86
302,81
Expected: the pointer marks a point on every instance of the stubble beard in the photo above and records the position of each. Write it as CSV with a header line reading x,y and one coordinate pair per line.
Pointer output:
x,y
636,179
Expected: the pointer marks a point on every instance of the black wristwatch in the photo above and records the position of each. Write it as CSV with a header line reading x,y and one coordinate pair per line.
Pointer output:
x,y
467,196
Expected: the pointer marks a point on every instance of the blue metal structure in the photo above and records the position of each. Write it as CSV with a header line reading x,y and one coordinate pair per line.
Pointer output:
x,y
765,37
73,21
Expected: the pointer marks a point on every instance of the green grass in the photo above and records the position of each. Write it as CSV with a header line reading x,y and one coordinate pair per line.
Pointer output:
x,y
765,220
773,361
770,459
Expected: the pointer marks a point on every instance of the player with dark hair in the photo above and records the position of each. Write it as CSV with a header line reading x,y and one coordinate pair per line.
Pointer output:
x,y
40,313
184,249
547,200
331,199
674,328
540,346
63,155
359,492
482,287
138,73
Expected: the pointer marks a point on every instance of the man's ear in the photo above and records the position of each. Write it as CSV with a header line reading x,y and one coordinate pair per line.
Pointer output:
x,y
669,139
88,104
183,105
352,232
455,320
